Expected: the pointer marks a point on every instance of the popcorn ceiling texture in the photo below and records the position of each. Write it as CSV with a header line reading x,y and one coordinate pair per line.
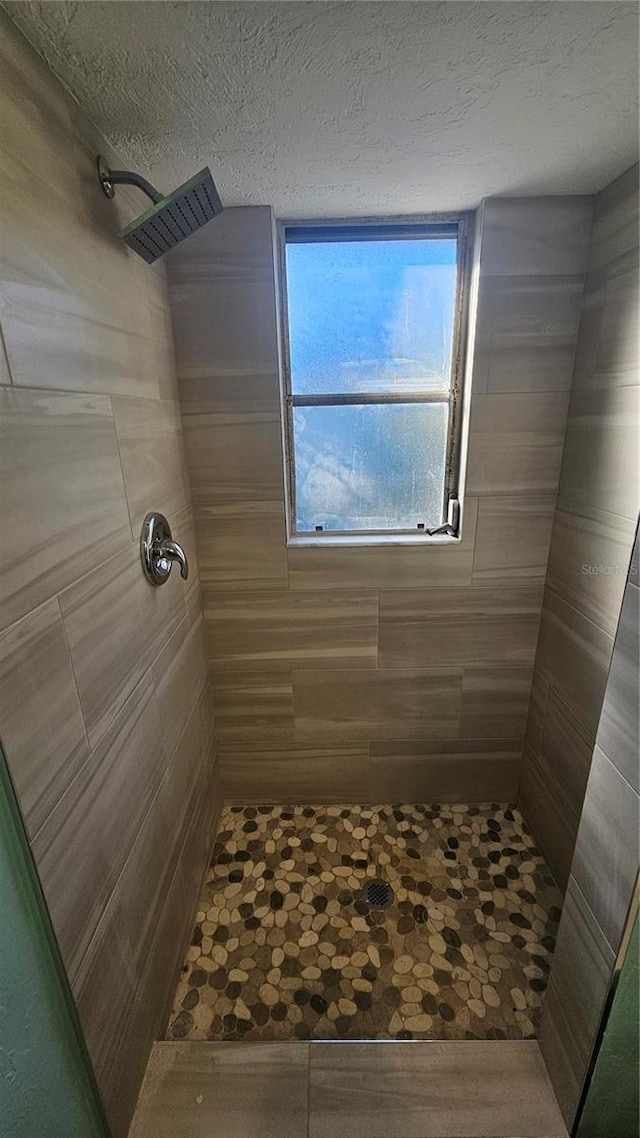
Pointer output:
x,y
355,108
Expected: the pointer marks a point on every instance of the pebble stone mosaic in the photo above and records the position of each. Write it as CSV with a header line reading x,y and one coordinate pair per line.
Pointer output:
x,y
285,946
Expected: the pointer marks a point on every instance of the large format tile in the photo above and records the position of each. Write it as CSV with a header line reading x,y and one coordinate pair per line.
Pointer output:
x,y
588,564
180,675
106,637
431,1090
582,972
234,458
562,1058
532,325
284,630
548,813
605,863
294,773
82,846
223,298
495,701
512,539
63,497
618,729
105,986
151,450
529,236
566,750
43,733
253,705
574,654
615,219
65,325
223,1088
434,627
242,548
600,459
515,442
383,704
447,770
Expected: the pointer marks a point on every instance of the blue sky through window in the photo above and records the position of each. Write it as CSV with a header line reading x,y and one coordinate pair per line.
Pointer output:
x,y
375,317
371,315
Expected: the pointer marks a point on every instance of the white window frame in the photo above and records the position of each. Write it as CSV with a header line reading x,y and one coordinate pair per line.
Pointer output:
x,y
428,225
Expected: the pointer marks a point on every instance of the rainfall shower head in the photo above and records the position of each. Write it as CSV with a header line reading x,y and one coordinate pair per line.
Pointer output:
x,y
170,219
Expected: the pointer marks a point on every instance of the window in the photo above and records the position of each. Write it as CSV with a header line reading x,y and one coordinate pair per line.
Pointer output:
x,y
372,317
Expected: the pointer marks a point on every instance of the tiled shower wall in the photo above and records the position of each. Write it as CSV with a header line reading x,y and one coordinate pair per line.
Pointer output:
x,y
593,529
105,710
380,673
602,888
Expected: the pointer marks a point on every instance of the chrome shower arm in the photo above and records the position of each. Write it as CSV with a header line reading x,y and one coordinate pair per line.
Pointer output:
x,y
110,178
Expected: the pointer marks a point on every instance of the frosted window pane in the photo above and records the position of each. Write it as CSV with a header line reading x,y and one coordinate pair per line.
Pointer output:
x,y
372,316
361,467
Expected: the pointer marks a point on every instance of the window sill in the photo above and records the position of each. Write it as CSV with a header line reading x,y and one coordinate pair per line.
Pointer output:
x,y
368,540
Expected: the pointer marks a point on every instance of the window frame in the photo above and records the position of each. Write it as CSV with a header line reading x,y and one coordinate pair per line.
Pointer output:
x,y
380,228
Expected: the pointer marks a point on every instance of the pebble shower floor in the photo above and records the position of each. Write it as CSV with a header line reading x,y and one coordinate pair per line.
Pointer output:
x,y
285,947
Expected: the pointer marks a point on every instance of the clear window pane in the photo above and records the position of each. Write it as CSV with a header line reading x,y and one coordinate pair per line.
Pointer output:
x,y
370,467
373,316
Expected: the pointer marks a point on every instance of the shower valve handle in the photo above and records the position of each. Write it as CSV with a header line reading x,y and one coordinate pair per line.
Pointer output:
x,y
158,550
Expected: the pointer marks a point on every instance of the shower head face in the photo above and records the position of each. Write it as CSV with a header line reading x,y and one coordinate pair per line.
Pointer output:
x,y
173,218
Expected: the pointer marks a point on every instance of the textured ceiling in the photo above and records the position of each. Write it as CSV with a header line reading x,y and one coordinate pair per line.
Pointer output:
x,y
355,108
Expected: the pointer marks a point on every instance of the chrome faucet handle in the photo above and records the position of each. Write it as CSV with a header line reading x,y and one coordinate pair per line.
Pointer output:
x,y
158,550
174,552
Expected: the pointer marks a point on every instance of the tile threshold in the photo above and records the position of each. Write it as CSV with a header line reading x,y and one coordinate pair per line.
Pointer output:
x,y
293,1089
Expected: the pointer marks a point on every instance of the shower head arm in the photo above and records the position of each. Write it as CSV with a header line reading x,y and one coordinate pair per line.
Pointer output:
x,y
111,178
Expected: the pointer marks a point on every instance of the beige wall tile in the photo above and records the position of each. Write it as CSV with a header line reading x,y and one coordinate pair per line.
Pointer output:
x,y
454,770
532,323
495,702
151,451
63,495
223,298
593,531
548,814
357,704
574,655
615,219
618,729
582,971
43,733
250,706
516,442
81,848
107,638
106,986
242,549
295,774
83,320
600,460
512,538
588,564
284,630
605,865
179,675
234,458
432,627
530,236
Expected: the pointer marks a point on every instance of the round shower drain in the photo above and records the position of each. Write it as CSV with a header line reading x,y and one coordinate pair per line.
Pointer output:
x,y
377,894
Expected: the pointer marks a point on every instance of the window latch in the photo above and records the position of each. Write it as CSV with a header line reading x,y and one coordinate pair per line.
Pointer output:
x,y
450,527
